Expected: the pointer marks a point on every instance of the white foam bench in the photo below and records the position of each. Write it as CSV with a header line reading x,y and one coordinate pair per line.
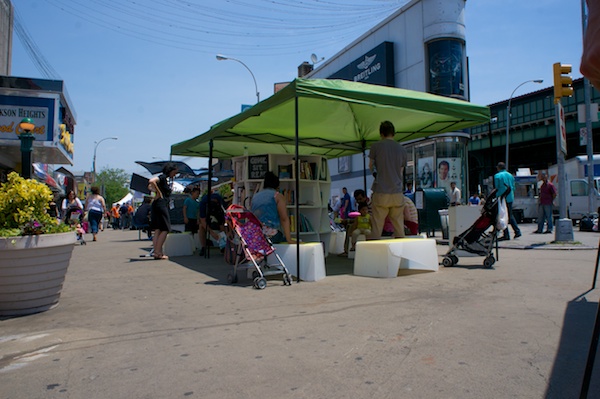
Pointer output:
x,y
336,242
385,258
312,260
179,244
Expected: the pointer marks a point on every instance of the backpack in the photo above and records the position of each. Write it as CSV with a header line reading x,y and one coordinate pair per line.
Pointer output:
x,y
586,224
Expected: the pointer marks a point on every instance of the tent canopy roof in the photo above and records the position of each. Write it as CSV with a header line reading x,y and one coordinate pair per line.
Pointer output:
x,y
334,118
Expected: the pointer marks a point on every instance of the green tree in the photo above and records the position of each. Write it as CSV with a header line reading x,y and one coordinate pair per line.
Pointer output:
x,y
115,183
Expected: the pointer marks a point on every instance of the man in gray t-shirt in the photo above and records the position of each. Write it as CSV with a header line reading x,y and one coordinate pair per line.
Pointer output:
x,y
387,160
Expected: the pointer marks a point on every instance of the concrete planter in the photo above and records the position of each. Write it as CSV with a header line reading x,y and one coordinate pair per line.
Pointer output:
x,y
32,272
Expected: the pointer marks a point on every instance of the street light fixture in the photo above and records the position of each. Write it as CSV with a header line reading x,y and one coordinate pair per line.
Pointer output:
x,y
221,57
95,147
26,137
508,116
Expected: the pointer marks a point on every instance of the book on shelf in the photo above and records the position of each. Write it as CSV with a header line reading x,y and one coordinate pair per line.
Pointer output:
x,y
323,169
307,170
305,224
289,196
285,171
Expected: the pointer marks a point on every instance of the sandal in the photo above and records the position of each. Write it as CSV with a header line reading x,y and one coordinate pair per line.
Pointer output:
x,y
160,257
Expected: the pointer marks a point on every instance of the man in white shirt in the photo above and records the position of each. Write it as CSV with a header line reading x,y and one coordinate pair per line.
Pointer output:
x,y
336,205
455,198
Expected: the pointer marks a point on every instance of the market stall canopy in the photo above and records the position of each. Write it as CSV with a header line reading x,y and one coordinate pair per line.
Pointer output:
x,y
331,118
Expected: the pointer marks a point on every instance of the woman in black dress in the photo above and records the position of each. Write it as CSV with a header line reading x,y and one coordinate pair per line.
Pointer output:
x,y
160,221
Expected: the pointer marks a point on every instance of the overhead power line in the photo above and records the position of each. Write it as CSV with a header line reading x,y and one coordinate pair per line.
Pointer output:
x,y
241,27
40,62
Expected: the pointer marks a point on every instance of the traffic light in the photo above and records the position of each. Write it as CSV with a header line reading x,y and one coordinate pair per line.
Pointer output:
x,y
563,83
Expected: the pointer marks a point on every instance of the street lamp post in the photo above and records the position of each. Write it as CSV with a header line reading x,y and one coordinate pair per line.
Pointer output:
x,y
221,57
95,147
508,116
26,137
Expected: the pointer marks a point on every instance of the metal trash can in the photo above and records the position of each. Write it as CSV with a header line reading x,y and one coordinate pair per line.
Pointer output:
x,y
444,222
428,202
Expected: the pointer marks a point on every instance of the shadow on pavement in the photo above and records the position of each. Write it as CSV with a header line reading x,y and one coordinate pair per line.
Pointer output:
x,y
570,362
336,265
213,266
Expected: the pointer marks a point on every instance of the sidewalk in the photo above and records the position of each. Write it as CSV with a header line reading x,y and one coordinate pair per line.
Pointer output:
x,y
128,327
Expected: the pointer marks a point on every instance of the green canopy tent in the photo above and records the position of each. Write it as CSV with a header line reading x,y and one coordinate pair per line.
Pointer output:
x,y
331,118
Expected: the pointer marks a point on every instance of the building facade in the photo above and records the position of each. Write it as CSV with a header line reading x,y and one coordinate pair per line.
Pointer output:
x,y
420,47
532,136
47,104
6,34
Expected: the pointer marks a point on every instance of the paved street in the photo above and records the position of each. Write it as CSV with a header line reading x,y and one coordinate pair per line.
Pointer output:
x,y
132,328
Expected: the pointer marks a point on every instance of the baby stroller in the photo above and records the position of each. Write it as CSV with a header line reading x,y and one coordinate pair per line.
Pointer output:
x,y
477,239
74,218
251,249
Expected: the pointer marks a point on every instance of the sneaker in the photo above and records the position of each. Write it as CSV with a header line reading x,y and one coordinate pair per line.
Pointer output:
x,y
548,232
517,235
504,238
537,232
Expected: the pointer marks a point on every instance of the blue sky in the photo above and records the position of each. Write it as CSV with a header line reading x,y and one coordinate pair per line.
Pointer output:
x,y
152,89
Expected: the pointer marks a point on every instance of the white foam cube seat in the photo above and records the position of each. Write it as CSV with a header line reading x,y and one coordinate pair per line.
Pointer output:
x,y
179,244
336,242
385,258
312,260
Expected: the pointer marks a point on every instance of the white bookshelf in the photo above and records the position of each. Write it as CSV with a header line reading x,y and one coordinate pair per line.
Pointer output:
x,y
313,194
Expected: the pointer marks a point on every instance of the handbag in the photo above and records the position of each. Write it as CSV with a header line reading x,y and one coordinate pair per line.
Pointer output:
x,y
502,219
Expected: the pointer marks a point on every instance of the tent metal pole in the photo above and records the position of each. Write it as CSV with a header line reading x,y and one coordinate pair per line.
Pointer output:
x,y
589,367
364,149
297,200
596,269
208,197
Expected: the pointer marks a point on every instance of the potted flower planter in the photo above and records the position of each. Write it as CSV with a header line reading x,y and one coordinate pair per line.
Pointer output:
x,y
35,249
32,272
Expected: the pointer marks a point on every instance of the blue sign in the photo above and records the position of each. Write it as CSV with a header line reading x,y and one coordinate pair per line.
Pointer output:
x,y
375,67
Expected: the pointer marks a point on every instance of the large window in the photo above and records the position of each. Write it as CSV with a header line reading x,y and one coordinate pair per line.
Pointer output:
x,y
447,68
579,188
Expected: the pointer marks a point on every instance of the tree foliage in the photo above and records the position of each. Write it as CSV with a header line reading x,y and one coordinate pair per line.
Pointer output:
x,y
115,182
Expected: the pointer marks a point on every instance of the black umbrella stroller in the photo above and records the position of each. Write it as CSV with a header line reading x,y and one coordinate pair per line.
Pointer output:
x,y
252,249
477,239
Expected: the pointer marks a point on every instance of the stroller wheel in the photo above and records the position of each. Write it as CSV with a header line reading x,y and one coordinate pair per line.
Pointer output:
x,y
489,262
231,279
260,283
447,261
454,259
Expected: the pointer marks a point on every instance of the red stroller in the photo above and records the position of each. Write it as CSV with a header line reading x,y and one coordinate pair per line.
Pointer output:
x,y
476,239
251,248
